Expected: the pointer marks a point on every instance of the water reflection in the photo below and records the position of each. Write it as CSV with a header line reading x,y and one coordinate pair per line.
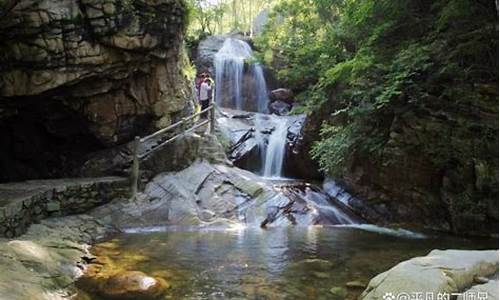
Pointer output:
x,y
277,263
275,249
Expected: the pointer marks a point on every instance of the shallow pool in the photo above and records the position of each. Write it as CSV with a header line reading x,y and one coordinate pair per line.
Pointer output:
x,y
276,263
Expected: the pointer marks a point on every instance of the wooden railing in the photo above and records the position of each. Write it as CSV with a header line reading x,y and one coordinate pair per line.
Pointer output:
x,y
183,124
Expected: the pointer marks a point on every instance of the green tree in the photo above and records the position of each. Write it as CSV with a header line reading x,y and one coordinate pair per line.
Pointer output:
x,y
363,58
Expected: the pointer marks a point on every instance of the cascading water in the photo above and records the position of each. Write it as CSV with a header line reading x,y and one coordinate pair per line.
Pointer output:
x,y
230,74
261,88
276,148
242,86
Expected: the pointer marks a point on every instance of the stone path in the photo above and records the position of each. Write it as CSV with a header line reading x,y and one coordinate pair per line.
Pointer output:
x,y
24,203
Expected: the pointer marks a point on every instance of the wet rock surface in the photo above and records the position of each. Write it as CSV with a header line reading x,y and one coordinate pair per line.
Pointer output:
x,y
81,76
203,194
206,51
133,285
219,194
200,194
279,108
247,135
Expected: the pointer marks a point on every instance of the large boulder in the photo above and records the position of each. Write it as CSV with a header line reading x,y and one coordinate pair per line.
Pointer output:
x,y
79,76
279,108
242,145
441,271
200,194
111,274
208,47
282,94
218,194
489,290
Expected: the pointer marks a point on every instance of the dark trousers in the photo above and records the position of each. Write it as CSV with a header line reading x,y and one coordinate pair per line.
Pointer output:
x,y
204,105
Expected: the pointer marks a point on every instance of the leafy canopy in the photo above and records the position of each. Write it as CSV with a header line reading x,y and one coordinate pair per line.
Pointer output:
x,y
357,62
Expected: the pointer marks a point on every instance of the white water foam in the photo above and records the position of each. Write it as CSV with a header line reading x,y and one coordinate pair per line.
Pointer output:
x,y
387,231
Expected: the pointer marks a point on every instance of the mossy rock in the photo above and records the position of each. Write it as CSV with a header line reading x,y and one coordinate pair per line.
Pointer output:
x,y
249,187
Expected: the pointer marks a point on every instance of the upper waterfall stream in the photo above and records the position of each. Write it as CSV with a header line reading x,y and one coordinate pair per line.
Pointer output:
x,y
240,82
231,79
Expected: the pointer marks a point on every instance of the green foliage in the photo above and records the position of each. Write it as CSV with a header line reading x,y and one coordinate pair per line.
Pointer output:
x,y
300,40
209,17
402,78
366,60
187,67
334,147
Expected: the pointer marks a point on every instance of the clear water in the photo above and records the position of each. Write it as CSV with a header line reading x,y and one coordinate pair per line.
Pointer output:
x,y
291,262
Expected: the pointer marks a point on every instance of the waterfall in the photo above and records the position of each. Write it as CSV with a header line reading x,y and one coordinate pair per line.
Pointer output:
x,y
261,88
276,148
230,77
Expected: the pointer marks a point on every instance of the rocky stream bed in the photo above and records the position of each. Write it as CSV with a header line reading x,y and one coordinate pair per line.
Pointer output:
x,y
196,234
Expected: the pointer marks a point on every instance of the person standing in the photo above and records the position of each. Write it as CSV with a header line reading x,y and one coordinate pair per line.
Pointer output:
x,y
205,95
197,83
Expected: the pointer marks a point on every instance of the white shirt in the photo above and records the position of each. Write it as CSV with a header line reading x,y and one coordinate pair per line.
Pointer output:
x,y
205,91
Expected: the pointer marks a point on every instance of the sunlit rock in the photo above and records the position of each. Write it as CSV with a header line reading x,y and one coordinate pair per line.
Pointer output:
x,y
133,285
441,271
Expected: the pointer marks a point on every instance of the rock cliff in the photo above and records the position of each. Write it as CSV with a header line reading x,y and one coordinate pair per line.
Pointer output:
x,y
77,76
436,166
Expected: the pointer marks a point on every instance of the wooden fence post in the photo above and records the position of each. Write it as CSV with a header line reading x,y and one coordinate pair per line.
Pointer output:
x,y
184,125
134,172
212,115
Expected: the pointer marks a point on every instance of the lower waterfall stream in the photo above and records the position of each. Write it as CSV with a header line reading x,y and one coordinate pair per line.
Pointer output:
x,y
275,149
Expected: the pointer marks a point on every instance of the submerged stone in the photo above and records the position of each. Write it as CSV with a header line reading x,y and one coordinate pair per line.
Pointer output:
x,y
133,285
321,275
355,284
